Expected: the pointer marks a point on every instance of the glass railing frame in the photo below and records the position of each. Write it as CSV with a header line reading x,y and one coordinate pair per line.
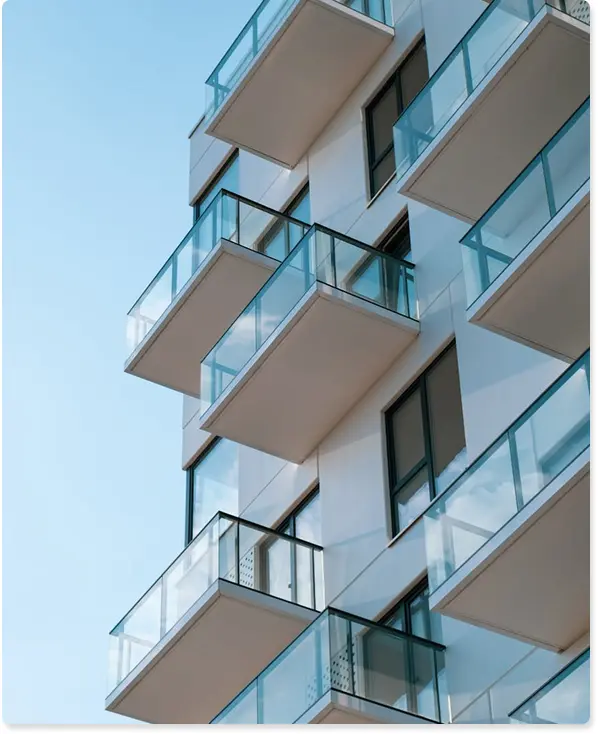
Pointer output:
x,y
257,49
541,159
551,683
212,209
460,47
348,616
158,583
309,287
507,434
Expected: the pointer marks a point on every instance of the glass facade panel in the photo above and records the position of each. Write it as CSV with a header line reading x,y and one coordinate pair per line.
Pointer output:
x,y
226,216
226,548
545,440
565,699
322,255
528,205
342,653
215,483
262,26
484,44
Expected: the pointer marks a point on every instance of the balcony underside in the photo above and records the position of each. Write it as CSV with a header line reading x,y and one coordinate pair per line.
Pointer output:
x,y
340,708
226,281
299,80
542,299
228,636
509,118
531,580
319,362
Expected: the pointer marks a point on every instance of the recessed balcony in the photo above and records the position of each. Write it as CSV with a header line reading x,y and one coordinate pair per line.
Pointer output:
x,y
289,71
319,334
565,699
347,670
231,602
216,270
508,544
527,261
517,75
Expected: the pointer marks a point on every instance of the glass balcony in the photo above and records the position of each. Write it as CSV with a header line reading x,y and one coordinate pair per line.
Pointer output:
x,y
565,699
227,549
515,78
541,191
257,34
229,217
532,453
363,661
286,350
466,66
322,256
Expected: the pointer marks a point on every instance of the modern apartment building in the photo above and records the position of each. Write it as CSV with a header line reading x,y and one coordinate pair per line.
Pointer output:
x,y
379,322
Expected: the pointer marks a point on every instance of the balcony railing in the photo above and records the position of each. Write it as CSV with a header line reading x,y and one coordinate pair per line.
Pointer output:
x,y
565,699
262,26
347,654
474,57
528,205
542,443
228,549
230,217
324,256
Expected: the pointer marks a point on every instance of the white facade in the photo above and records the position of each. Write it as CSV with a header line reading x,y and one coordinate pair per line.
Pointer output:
x,y
366,570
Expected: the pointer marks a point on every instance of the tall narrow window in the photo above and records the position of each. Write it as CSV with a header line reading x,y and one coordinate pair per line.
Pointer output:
x,y
412,615
385,109
213,485
426,439
227,178
288,566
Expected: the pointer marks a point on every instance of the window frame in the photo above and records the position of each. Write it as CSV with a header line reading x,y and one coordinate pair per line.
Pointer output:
x,y
289,523
427,462
402,223
394,80
213,182
404,602
190,487
268,237
290,520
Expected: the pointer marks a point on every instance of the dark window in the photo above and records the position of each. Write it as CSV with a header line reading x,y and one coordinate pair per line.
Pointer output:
x,y
426,439
280,239
398,241
385,109
227,178
212,485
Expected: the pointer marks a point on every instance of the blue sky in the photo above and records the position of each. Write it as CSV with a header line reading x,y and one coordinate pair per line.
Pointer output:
x,y
98,100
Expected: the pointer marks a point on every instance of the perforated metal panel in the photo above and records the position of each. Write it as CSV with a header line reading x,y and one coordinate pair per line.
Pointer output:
x,y
247,568
579,9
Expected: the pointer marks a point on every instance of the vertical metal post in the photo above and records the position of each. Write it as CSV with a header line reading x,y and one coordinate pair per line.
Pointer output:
x,y
350,657
467,68
238,553
548,184
163,607
517,485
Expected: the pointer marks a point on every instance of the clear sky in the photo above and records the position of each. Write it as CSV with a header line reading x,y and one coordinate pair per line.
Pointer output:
x,y
98,99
